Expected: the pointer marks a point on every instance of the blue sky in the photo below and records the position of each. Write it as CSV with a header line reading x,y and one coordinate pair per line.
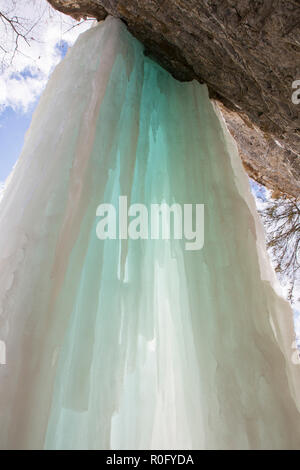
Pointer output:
x,y
13,126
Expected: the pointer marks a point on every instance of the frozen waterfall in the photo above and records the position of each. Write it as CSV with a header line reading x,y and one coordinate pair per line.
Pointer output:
x,y
137,344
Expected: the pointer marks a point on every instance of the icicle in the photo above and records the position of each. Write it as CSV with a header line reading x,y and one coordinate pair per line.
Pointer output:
x,y
136,343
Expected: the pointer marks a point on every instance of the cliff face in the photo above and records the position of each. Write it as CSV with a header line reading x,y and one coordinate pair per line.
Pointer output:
x,y
246,51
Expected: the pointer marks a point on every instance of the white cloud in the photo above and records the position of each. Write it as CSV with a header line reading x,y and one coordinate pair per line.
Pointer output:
x,y
25,73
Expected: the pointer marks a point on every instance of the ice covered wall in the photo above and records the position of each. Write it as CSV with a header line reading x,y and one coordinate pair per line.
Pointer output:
x,y
139,343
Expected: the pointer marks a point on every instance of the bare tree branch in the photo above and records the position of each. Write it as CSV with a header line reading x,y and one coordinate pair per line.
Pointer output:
x,y
281,219
19,28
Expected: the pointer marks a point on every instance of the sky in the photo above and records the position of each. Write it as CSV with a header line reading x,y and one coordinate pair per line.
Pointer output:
x,y
25,72
13,126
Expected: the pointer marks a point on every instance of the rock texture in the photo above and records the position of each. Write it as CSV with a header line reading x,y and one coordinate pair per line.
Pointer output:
x,y
246,51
